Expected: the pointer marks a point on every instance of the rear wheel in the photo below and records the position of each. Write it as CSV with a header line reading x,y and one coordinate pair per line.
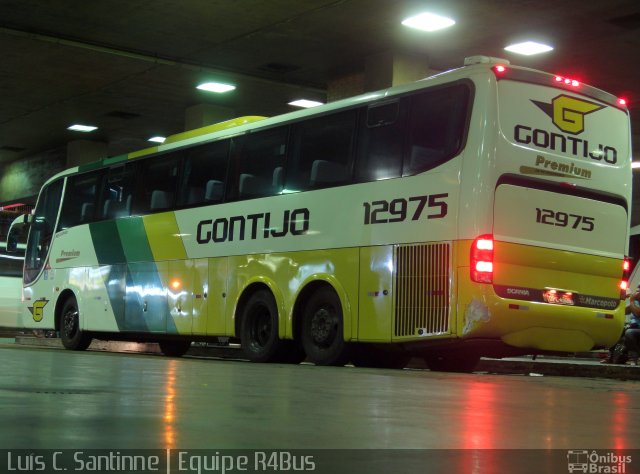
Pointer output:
x,y
174,348
72,336
259,330
322,329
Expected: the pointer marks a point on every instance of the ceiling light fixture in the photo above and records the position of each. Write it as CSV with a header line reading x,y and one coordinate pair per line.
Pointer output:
x,y
217,87
157,139
529,48
82,128
428,22
305,103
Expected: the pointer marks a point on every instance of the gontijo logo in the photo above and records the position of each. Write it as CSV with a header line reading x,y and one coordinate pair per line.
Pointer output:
x,y
567,113
37,310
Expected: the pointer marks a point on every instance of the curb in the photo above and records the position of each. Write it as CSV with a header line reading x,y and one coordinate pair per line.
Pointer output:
x,y
588,367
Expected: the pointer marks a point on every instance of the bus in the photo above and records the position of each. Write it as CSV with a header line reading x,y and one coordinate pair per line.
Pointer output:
x,y
11,265
483,211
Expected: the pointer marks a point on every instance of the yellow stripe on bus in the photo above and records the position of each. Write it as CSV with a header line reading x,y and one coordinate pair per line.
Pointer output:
x,y
164,237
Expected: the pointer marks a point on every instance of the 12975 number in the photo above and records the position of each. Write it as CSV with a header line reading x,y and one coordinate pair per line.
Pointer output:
x,y
563,219
398,210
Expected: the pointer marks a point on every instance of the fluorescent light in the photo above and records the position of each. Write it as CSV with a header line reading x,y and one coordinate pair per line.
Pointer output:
x,y
528,48
157,139
218,87
635,164
305,103
82,128
428,22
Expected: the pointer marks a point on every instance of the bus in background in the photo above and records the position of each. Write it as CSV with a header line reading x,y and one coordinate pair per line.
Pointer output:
x,y
481,211
11,265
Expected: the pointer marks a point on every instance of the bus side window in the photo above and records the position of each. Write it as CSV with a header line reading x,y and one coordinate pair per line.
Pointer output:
x,y
380,141
322,152
116,195
257,159
79,199
436,127
157,184
204,174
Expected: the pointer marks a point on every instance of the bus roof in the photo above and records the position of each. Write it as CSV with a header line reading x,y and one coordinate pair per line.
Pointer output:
x,y
240,125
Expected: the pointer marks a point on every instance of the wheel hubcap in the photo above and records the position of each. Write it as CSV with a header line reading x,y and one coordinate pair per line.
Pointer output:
x,y
323,327
70,324
261,328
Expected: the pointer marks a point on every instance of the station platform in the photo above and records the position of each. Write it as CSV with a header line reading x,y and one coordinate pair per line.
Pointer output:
x,y
579,365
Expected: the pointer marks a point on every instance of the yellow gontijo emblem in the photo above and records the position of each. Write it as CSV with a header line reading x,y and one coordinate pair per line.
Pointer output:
x,y
567,113
37,310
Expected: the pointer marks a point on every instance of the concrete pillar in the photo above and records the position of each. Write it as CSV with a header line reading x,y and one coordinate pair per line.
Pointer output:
x,y
345,85
202,115
379,71
80,152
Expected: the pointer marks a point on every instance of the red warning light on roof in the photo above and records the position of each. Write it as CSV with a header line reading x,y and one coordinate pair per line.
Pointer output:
x,y
622,101
567,80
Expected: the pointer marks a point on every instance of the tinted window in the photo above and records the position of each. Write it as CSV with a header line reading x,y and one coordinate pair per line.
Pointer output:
x,y
322,152
80,199
380,141
204,174
157,184
259,165
117,192
436,127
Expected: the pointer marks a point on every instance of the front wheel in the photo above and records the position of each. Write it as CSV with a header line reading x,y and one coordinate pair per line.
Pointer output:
x,y
72,336
322,329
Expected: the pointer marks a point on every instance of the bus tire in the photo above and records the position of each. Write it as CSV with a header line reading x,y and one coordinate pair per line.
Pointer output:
x,y
462,363
323,329
259,329
174,348
72,336
366,355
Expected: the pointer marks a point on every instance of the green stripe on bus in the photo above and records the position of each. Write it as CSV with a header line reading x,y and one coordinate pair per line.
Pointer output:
x,y
106,241
135,243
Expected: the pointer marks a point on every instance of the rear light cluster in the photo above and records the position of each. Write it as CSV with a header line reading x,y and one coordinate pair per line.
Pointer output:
x,y
566,81
482,259
502,71
624,283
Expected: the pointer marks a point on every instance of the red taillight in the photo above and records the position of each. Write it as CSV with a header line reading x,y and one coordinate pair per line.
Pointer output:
x,y
500,69
567,80
482,259
624,283
622,101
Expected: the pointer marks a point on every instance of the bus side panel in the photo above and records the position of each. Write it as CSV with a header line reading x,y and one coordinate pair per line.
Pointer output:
x,y
287,274
217,296
376,294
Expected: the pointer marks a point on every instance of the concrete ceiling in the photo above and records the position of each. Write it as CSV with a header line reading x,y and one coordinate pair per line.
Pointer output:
x,y
130,67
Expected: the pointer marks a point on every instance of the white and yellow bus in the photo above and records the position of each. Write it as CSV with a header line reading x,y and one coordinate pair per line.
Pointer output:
x,y
481,211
